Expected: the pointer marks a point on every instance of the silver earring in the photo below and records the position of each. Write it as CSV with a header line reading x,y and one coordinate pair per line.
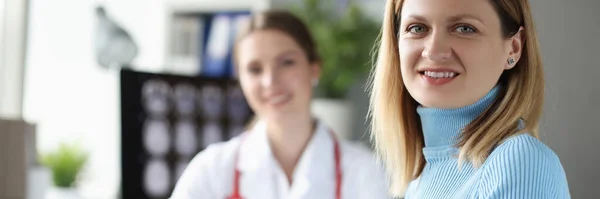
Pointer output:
x,y
315,82
511,61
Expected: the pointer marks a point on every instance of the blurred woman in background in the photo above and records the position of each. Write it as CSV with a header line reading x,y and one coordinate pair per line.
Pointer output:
x,y
456,101
287,153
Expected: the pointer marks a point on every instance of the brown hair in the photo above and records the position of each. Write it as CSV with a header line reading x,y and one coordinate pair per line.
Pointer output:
x,y
282,21
396,128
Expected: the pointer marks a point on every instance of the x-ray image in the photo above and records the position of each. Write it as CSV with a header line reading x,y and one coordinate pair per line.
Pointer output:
x,y
185,138
212,133
157,178
211,101
236,105
180,168
155,97
156,137
166,120
235,130
185,99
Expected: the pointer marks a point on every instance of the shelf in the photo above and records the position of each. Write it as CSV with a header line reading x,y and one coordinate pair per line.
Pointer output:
x,y
178,14
210,6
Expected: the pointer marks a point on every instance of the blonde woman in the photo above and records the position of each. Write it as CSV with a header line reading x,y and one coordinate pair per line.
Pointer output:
x,y
456,100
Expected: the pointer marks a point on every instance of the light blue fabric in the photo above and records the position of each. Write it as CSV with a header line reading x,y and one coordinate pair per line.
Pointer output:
x,y
520,167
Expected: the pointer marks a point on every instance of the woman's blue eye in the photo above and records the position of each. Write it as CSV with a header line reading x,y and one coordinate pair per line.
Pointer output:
x,y
465,29
417,29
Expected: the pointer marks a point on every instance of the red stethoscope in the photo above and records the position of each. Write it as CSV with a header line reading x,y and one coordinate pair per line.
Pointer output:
x,y
338,171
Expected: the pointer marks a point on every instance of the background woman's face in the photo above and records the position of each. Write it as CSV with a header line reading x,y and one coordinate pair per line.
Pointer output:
x,y
275,74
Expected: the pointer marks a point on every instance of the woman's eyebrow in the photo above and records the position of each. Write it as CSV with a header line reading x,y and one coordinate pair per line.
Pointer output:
x,y
454,18
460,17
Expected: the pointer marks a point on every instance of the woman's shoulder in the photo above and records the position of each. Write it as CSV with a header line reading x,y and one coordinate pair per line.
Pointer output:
x,y
362,169
525,166
524,152
524,147
217,154
356,151
214,162
358,157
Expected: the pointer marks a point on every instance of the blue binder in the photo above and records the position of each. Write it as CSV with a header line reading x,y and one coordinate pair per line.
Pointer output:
x,y
218,46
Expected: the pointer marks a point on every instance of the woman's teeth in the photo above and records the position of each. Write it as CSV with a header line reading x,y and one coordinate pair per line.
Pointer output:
x,y
440,74
278,99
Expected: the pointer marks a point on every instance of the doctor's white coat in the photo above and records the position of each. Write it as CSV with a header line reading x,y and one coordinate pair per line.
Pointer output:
x,y
210,174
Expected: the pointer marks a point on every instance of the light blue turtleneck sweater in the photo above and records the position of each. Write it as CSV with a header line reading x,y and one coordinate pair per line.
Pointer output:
x,y
520,167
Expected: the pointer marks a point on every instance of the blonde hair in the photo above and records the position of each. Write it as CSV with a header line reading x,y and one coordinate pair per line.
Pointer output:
x,y
396,127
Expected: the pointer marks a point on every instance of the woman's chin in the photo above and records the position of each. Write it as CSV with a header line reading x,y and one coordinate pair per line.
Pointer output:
x,y
438,104
279,115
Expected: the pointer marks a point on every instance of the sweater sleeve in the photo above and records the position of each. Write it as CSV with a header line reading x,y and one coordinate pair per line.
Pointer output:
x,y
523,167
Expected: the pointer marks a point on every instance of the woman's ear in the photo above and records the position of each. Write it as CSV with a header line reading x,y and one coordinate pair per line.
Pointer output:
x,y
515,49
315,73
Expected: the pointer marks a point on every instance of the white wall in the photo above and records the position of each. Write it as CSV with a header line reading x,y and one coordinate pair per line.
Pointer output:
x,y
12,51
68,95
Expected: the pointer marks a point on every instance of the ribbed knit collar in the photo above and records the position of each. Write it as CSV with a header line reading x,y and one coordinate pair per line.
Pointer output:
x,y
442,127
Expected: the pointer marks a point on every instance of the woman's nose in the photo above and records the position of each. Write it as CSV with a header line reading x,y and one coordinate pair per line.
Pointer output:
x,y
269,79
437,48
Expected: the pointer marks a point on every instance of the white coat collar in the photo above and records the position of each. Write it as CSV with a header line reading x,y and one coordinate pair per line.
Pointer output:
x,y
315,169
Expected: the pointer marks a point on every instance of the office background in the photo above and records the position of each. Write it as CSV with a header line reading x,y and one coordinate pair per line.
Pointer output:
x,y
64,92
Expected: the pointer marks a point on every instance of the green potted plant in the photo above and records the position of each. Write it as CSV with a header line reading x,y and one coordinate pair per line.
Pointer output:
x,y
344,40
65,164
345,37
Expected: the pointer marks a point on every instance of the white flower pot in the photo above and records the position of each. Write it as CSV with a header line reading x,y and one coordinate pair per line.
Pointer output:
x,y
337,114
62,193
38,181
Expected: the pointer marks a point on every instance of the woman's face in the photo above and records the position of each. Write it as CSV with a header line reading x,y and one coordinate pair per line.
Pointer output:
x,y
275,75
452,52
